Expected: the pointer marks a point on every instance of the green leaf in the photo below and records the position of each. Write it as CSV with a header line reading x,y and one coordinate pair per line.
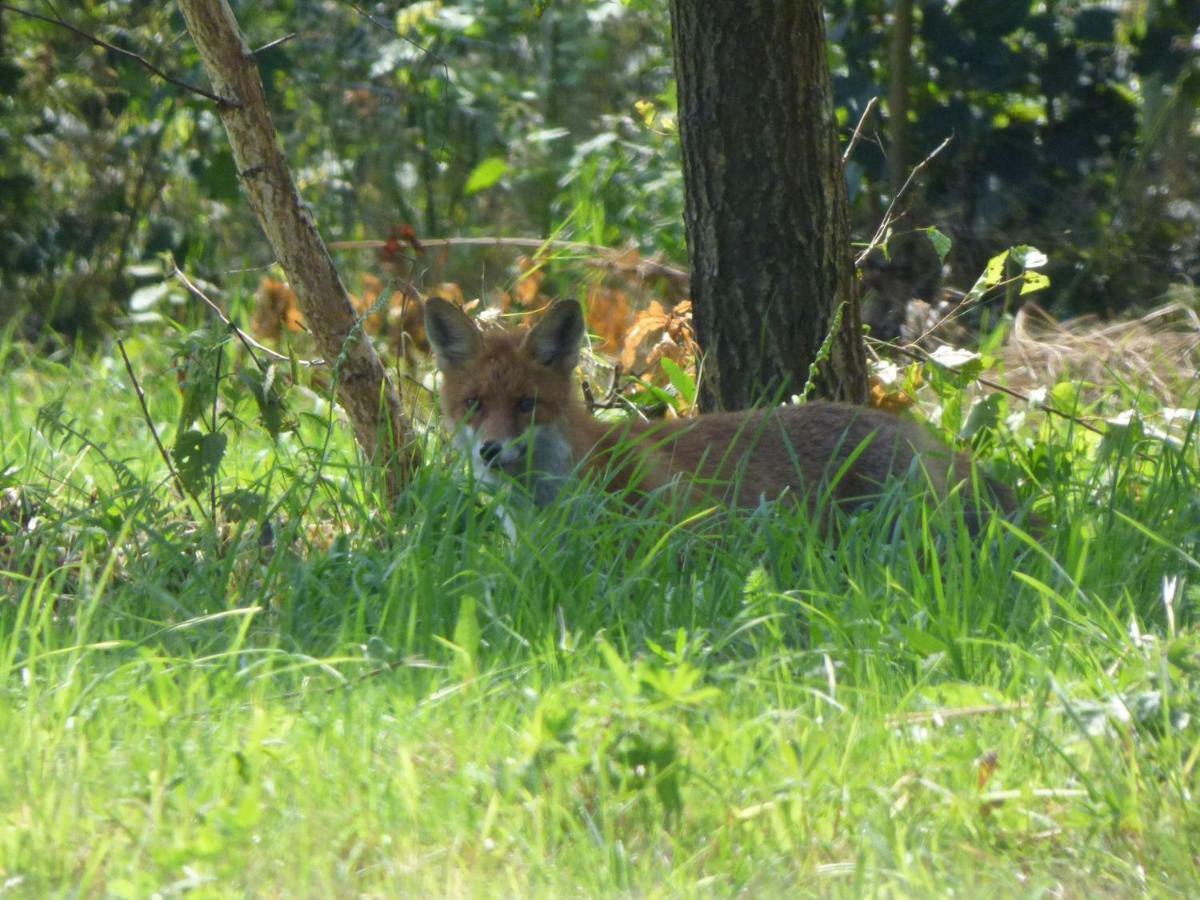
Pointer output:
x,y
242,504
198,457
618,667
940,242
1034,281
984,416
467,638
263,386
966,363
680,380
922,641
991,277
486,174
197,378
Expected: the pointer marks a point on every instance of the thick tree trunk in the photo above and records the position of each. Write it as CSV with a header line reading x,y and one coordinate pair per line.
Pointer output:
x,y
766,217
364,390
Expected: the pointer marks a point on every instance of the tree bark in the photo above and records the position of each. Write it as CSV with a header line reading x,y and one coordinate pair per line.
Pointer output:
x,y
363,387
766,216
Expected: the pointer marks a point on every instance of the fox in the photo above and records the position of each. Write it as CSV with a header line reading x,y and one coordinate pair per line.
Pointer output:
x,y
512,403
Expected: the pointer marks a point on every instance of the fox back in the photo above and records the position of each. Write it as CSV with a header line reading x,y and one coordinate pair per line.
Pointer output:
x,y
511,402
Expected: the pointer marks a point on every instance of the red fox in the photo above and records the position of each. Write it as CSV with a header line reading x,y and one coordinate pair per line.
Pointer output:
x,y
511,402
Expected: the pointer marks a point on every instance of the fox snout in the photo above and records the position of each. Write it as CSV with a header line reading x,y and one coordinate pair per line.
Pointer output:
x,y
508,455
489,450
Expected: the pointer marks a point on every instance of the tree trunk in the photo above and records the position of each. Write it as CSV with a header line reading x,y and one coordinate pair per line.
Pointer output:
x,y
767,224
364,390
901,55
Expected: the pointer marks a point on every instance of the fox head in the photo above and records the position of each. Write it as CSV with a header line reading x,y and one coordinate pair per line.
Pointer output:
x,y
507,395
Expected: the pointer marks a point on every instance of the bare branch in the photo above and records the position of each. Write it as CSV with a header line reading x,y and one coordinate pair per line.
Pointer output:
x,y
887,216
120,51
178,482
248,342
862,120
918,354
645,267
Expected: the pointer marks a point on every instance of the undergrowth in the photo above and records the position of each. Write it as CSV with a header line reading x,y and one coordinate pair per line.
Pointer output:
x,y
268,680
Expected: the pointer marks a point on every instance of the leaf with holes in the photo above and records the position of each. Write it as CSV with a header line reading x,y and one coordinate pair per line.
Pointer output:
x,y
198,457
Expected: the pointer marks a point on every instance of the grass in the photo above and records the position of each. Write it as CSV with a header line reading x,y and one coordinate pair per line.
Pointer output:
x,y
381,701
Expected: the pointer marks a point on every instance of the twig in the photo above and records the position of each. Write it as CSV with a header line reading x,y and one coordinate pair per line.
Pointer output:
x,y
960,712
212,479
251,345
870,107
921,356
272,44
887,216
121,51
248,342
179,489
643,267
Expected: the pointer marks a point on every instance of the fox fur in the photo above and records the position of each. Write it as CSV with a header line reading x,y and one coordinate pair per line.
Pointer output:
x,y
511,401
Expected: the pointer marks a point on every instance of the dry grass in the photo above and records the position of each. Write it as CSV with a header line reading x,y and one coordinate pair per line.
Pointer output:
x,y
1159,350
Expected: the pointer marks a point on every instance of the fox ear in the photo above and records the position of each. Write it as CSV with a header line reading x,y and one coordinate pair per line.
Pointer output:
x,y
455,339
554,341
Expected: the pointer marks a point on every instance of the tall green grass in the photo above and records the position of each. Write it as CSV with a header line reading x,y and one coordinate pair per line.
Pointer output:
x,y
375,700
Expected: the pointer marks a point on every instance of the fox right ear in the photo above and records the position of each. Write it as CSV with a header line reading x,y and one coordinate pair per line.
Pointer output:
x,y
455,339
555,340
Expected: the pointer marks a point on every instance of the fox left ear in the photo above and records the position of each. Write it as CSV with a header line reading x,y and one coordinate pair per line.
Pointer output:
x,y
554,341
455,339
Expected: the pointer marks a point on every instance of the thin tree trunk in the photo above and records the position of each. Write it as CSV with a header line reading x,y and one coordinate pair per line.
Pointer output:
x,y
767,223
364,389
901,55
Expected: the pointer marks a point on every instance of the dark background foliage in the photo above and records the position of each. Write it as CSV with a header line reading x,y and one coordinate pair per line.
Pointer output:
x,y
1074,129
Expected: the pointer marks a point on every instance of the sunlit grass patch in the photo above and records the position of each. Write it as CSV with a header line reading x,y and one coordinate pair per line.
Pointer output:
x,y
326,695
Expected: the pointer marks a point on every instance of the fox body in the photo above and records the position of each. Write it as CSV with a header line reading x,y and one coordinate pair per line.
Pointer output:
x,y
511,401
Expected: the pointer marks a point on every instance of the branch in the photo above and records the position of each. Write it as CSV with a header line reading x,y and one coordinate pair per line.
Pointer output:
x,y
248,342
887,216
919,355
120,51
862,120
363,388
645,267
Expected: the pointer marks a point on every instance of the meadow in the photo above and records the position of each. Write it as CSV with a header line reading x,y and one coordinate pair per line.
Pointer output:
x,y
282,684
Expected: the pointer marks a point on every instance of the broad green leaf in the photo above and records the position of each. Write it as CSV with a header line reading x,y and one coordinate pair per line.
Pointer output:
x,y
922,641
1034,281
681,381
940,242
992,276
484,175
956,359
198,457
272,412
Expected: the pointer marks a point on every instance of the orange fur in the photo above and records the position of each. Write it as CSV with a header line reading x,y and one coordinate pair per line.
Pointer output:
x,y
513,395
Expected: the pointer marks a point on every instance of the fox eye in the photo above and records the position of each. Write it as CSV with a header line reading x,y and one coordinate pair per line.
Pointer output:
x,y
473,405
525,405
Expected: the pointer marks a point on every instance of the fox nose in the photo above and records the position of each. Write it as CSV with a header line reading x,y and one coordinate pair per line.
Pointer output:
x,y
489,450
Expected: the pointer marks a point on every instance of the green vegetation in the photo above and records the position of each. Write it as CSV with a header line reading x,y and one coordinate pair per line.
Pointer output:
x,y
228,664
1072,127
322,695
